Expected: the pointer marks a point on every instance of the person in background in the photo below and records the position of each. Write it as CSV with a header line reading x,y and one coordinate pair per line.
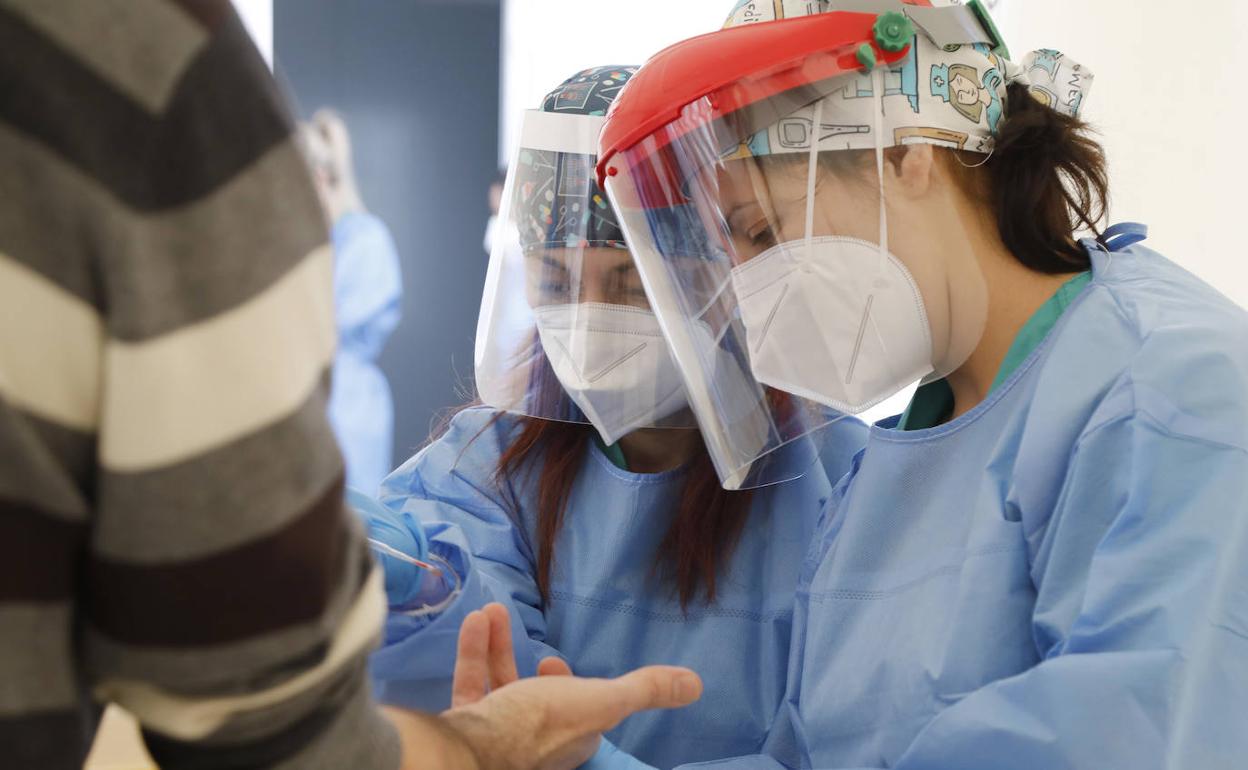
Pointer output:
x,y
582,489
173,536
368,293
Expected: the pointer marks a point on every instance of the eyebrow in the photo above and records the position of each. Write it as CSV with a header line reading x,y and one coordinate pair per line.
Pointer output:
x,y
547,260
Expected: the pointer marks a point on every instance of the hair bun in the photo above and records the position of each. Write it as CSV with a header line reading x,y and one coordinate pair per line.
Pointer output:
x,y
1032,125
1048,180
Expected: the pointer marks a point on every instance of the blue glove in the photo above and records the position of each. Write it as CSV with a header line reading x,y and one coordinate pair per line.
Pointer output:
x,y
404,581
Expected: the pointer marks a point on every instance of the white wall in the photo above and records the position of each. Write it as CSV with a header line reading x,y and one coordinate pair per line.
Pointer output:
x,y
1167,100
257,16
545,41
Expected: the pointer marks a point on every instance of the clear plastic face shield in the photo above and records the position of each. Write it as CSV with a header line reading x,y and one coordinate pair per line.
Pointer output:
x,y
804,246
566,332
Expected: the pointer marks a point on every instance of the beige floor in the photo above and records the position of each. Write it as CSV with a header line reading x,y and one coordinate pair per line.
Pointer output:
x,y
117,744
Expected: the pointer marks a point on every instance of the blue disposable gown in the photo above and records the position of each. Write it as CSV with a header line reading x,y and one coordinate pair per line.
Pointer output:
x,y
1057,578
606,616
368,290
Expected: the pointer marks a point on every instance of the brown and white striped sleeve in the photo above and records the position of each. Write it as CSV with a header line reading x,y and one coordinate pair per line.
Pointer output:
x,y
172,532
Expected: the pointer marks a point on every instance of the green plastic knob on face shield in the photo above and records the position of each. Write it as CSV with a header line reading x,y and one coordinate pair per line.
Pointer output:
x,y
866,57
893,31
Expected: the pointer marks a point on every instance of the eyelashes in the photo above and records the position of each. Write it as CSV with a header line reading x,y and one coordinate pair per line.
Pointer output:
x,y
557,286
761,236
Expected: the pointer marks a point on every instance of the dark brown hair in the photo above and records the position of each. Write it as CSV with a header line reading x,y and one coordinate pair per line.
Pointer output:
x,y
1045,180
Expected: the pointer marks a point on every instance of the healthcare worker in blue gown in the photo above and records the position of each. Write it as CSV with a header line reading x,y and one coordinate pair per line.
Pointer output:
x,y
579,493
1043,563
368,293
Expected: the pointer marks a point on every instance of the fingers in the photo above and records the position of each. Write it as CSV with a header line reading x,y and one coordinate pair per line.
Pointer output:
x,y
472,671
502,657
652,687
589,706
553,666
485,658
570,714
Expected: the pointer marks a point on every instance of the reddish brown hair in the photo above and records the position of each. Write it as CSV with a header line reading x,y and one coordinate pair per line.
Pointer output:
x,y
706,521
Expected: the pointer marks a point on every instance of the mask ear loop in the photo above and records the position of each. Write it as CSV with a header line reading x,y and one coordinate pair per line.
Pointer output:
x,y
877,97
877,88
885,254
980,164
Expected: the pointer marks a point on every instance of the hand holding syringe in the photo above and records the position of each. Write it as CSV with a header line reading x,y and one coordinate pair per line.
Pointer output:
x,y
419,582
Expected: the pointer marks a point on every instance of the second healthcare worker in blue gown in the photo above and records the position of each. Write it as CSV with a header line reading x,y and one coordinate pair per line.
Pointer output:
x,y
1043,564
368,293
582,492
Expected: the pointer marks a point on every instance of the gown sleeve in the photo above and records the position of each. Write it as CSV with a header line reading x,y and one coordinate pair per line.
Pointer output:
x,y
449,489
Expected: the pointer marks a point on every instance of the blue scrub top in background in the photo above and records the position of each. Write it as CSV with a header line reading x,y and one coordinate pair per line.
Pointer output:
x,y
368,291
606,616
1057,578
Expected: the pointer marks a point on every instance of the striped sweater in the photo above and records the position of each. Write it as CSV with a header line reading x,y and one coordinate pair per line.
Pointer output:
x,y
172,532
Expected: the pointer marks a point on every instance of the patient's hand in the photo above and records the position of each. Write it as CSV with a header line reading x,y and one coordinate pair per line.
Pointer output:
x,y
486,660
552,721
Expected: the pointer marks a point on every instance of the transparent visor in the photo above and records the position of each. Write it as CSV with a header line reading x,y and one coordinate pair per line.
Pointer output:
x,y
565,331
805,254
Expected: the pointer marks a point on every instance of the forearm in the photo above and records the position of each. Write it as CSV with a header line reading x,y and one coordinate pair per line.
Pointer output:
x,y
430,742
322,708
341,730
